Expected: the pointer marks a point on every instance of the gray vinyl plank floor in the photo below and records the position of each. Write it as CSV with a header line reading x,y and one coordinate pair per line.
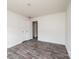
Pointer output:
x,y
37,50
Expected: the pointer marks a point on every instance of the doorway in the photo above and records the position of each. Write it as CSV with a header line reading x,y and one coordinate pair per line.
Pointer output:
x,y
35,30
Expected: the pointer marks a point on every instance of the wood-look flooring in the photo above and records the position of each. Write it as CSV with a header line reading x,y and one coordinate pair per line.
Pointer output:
x,y
37,50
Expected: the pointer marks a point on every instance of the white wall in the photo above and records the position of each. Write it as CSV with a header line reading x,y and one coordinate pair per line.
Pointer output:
x,y
19,28
51,28
68,30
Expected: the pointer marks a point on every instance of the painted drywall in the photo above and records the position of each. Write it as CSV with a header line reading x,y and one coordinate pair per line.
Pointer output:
x,y
51,28
37,7
19,28
68,30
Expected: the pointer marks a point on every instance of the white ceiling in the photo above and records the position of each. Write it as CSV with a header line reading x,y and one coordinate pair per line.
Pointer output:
x,y
37,7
